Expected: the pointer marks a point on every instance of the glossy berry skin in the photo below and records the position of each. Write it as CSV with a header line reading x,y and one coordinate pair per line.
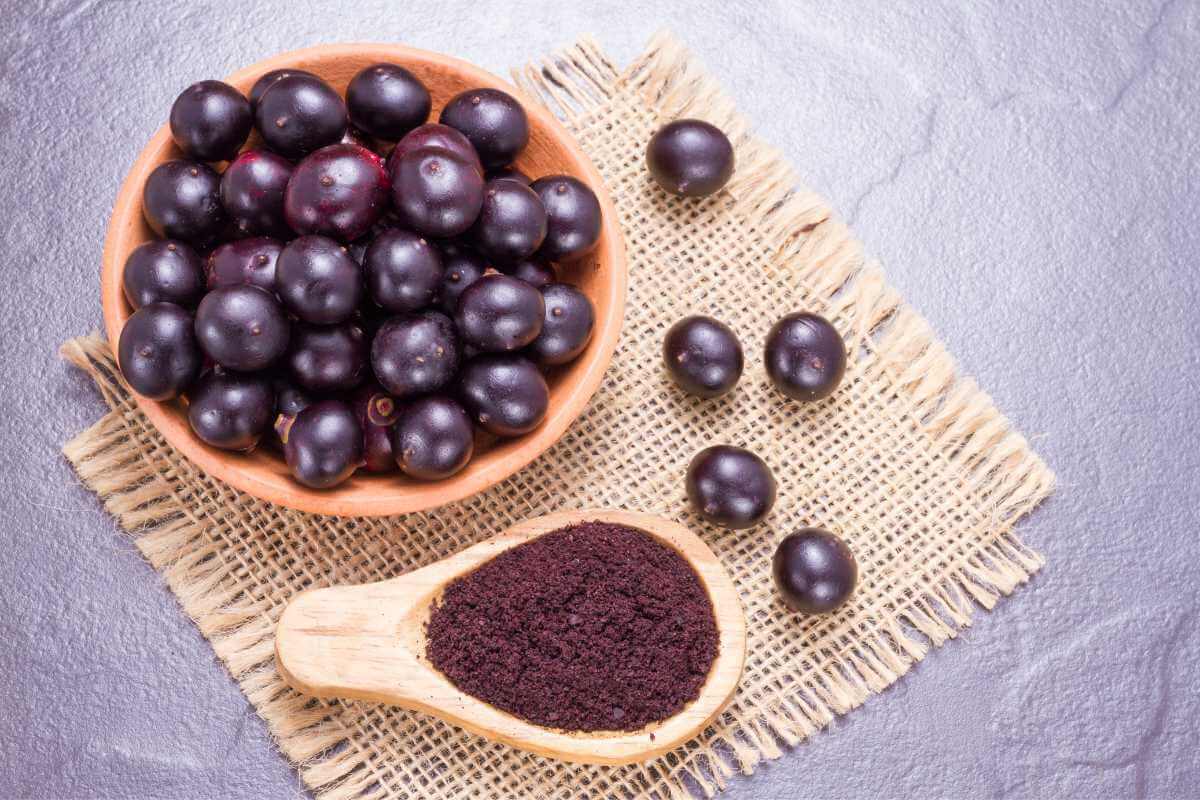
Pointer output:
x,y
318,281
690,158
436,193
157,351
387,101
161,271
730,486
403,271
290,400
252,190
573,217
415,353
434,135
377,412
461,268
298,114
324,444
536,273
511,223
814,571
231,410
567,325
339,191
268,79
248,262
805,357
434,438
703,356
242,328
493,121
327,358
182,200
499,313
210,121
510,173
504,393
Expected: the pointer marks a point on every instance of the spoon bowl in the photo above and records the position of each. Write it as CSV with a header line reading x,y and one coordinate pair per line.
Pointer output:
x,y
367,642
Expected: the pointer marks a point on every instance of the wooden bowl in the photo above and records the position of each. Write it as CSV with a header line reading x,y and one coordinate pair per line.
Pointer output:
x,y
601,276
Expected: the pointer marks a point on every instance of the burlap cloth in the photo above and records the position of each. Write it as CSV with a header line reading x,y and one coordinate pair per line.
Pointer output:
x,y
909,461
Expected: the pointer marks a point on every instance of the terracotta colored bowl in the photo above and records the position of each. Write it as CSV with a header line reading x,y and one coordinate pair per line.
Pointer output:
x,y
601,276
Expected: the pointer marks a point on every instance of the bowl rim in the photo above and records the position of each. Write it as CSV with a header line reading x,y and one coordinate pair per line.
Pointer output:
x,y
125,220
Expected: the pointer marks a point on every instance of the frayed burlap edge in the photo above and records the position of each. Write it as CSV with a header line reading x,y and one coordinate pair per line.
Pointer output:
x,y
959,419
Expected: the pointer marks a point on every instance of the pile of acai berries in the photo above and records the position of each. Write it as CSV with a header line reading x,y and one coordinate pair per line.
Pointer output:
x,y
359,312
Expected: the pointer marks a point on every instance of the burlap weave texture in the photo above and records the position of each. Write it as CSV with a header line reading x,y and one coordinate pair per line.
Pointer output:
x,y
909,461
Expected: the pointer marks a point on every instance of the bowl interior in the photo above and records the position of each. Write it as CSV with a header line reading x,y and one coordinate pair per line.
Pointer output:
x,y
601,276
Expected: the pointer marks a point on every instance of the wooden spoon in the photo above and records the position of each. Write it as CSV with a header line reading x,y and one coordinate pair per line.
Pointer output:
x,y
368,643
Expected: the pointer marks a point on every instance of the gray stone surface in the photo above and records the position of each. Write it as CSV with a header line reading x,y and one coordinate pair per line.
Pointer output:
x,y
1029,173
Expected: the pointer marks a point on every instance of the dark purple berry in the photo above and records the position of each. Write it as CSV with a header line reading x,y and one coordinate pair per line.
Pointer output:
x,y
814,571
499,313
572,217
269,78
290,399
298,114
323,445
359,139
415,354
252,190
504,392
461,267
241,327
433,135
403,271
511,223
731,487
377,413
805,357
339,191
510,174
436,192
536,273
157,351
248,262
387,101
318,281
434,438
182,200
566,327
703,356
231,410
327,358
161,271
690,158
493,121
358,249
210,121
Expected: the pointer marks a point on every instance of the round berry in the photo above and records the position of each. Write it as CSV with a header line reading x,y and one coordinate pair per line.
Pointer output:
x,y
210,121
493,121
163,271
157,351
387,101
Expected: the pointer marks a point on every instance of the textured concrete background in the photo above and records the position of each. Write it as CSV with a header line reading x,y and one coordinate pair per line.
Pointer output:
x,y
1029,174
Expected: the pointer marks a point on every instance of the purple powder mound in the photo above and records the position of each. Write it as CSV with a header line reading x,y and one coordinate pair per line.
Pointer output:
x,y
591,627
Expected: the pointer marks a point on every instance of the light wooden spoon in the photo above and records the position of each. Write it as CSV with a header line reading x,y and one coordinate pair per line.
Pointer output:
x,y
368,643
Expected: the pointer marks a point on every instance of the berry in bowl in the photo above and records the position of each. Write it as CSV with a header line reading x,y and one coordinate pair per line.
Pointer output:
x,y
362,279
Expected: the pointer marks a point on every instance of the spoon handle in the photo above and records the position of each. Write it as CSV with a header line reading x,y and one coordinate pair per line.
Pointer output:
x,y
349,641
